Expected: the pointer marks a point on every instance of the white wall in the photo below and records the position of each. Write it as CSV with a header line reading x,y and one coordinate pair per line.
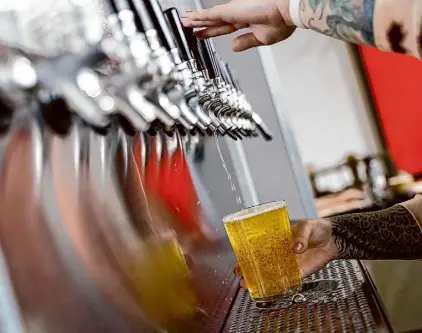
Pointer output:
x,y
323,99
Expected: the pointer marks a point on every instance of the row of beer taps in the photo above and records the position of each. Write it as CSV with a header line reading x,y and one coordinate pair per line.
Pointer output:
x,y
106,224
147,68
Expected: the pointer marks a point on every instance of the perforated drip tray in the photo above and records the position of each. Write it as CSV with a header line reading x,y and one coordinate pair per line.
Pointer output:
x,y
352,307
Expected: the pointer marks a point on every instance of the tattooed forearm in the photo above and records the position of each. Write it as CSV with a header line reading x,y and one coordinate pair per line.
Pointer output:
x,y
349,20
388,234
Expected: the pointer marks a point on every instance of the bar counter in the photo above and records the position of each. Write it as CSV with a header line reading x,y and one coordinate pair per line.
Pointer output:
x,y
373,296
399,288
397,284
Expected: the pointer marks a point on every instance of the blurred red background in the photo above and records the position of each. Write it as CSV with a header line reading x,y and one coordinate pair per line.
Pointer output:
x,y
396,84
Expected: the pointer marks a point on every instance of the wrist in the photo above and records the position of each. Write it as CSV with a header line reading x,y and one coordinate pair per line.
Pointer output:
x,y
333,250
332,247
284,9
290,10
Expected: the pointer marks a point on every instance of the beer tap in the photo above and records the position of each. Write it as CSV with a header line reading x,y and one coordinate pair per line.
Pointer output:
x,y
244,115
245,106
228,111
204,90
203,82
233,114
149,71
71,78
199,94
64,76
239,113
207,51
213,99
216,102
191,78
138,75
166,56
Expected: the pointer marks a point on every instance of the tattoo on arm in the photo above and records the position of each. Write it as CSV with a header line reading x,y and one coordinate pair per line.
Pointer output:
x,y
349,20
388,234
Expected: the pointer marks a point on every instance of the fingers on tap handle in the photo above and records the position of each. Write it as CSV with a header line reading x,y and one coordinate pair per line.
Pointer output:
x,y
202,24
216,31
216,14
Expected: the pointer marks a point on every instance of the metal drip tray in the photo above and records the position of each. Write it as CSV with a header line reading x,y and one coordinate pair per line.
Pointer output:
x,y
352,307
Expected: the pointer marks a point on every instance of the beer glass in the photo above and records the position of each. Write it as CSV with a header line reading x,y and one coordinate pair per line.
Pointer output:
x,y
263,244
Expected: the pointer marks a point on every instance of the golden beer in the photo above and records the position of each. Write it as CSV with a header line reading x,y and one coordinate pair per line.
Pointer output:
x,y
262,241
164,285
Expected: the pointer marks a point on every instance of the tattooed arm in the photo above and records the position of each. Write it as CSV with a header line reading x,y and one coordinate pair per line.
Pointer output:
x,y
393,233
391,25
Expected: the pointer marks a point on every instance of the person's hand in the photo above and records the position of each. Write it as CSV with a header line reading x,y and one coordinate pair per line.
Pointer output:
x,y
268,20
314,247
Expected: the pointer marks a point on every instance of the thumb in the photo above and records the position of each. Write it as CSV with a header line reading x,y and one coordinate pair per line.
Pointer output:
x,y
245,42
301,234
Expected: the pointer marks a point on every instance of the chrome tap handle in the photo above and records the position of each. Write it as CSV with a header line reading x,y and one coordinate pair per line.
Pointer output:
x,y
224,73
115,6
160,24
138,117
132,114
194,47
73,79
206,59
262,127
232,77
191,95
143,20
176,27
168,94
140,84
213,56
228,79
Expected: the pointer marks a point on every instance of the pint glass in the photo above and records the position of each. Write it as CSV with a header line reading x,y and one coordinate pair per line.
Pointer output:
x,y
262,241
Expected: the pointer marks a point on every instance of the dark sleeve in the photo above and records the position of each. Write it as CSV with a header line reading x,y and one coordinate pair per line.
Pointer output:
x,y
393,233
